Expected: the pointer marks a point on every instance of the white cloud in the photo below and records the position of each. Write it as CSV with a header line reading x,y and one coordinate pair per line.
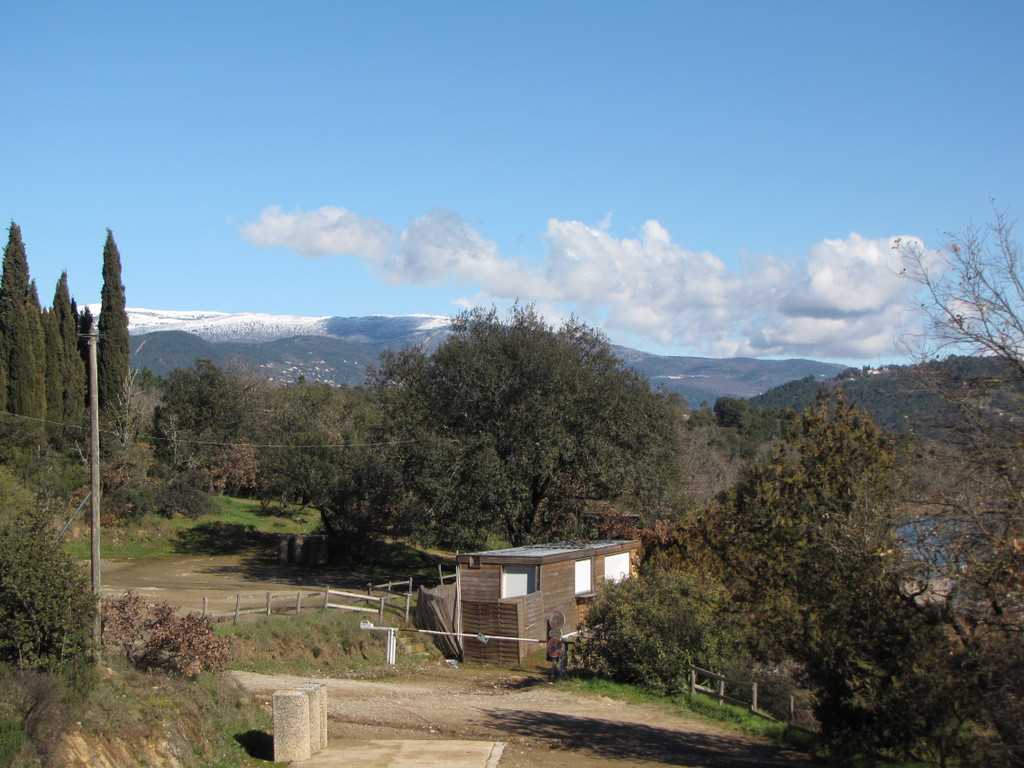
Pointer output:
x,y
849,277
327,231
441,247
842,302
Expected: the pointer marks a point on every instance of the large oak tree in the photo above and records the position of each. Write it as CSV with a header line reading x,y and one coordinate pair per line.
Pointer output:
x,y
515,428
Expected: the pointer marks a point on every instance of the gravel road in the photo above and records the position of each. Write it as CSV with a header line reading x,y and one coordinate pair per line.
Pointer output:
x,y
541,724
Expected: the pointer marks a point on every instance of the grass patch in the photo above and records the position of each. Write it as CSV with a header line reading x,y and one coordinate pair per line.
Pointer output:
x,y
321,643
237,525
199,721
202,720
703,707
11,739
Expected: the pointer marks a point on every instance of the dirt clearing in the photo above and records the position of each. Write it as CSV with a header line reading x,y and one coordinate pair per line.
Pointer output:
x,y
541,724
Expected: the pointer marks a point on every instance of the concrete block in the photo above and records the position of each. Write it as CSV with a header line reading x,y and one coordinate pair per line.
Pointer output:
x,y
317,715
291,725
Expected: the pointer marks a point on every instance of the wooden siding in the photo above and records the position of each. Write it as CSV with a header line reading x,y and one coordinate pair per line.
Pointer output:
x,y
491,618
484,611
560,593
481,584
532,618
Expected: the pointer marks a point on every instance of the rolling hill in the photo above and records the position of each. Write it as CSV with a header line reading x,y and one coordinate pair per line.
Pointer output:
x,y
337,351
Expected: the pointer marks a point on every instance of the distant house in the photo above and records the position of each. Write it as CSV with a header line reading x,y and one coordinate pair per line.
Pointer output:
x,y
514,592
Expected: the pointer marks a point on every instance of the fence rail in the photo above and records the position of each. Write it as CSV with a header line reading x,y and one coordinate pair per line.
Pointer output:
x,y
711,684
291,603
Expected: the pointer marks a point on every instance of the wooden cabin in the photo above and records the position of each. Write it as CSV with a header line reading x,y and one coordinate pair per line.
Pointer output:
x,y
514,592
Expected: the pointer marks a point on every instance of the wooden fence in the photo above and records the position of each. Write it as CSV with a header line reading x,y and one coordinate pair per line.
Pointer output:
x,y
292,603
390,589
717,686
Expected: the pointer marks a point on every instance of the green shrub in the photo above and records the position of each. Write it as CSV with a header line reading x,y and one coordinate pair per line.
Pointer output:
x,y
46,606
11,739
184,495
647,630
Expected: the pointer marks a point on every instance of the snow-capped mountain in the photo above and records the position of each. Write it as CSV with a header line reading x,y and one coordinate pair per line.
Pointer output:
x,y
337,350
258,327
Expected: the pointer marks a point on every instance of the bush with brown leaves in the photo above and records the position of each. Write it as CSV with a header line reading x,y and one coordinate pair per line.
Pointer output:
x,y
154,636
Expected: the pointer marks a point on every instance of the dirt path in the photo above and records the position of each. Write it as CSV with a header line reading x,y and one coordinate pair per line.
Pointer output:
x,y
540,723
185,582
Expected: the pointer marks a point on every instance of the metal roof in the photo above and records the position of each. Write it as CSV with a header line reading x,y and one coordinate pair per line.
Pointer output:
x,y
555,548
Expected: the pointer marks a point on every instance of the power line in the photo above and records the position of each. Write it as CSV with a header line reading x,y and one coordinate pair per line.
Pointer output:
x,y
158,438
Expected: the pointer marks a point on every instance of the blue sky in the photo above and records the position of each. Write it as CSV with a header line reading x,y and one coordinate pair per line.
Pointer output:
x,y
696,178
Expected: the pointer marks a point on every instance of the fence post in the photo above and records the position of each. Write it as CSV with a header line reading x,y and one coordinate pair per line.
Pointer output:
x,y
298,603
753,696
380,613
693,680
268,603
206,600
410,585
721,692
327,596
238,606
408,598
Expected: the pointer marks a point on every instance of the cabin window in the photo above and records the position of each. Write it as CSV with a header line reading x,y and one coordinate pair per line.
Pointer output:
x,y
616,567
584,582
518,580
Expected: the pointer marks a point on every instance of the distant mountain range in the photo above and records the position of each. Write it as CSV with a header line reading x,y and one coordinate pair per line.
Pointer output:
x,y
337,350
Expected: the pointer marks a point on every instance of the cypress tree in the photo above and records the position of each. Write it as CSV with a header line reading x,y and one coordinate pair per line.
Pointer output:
x,y
112,354
86,328
54,377
21,332
65,399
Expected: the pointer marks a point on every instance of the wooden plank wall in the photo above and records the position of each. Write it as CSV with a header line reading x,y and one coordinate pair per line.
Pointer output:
x,y
532,617
481,584
491,619
560,592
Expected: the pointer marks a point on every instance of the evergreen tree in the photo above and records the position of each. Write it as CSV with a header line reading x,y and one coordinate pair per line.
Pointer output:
x,y
66,398
54,395
21,332
86,328
113,358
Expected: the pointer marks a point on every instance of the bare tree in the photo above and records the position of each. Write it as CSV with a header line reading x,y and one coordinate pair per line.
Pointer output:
x,y
970,530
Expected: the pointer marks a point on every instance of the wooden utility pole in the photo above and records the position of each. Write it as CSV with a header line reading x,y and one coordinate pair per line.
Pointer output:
x,y
94,465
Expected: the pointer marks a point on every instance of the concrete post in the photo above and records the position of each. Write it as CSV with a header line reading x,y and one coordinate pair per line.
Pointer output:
x,y
291,726
317,715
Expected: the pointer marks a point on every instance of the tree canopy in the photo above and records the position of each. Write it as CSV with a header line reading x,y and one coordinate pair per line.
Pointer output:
x,y
515,428
809,542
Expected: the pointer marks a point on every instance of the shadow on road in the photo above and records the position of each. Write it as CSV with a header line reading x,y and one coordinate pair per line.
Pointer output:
x,y
218,538
257,566
635,742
